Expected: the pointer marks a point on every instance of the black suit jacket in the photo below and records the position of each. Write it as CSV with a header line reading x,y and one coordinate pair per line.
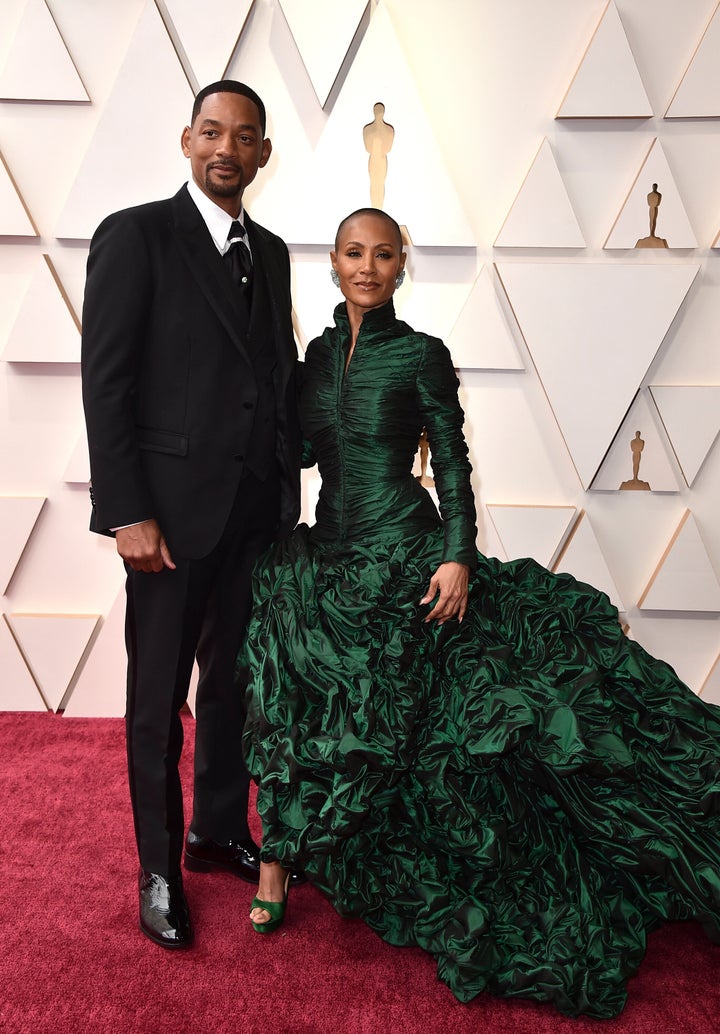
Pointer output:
x,y
168,387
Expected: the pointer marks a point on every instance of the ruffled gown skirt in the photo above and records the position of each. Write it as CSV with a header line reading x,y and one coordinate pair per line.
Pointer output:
x,y
524,795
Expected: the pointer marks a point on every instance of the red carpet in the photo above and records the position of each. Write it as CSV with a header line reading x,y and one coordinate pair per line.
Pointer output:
x,y
73,961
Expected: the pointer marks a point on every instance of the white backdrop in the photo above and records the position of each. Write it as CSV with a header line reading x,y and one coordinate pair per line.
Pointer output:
x,y
523,225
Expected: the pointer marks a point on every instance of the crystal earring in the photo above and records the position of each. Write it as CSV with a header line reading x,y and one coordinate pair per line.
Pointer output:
x,y
335,277
400,278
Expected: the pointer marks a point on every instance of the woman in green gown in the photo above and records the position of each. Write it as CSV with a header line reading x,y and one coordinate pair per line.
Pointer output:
x,y
468,754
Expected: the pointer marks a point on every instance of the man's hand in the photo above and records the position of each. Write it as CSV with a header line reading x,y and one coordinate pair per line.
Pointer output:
x,y
143,547
451,581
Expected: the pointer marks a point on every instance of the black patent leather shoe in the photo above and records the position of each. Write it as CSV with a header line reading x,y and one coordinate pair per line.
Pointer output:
x,y
164,913
239,857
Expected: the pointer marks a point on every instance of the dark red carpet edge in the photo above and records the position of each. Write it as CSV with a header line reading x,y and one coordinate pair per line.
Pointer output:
x,y
73,961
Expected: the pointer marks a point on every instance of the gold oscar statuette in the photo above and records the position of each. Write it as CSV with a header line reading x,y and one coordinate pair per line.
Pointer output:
x,y
635,484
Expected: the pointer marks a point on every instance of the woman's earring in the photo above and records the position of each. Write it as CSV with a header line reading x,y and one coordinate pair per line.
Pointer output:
x,y
400,278
335,277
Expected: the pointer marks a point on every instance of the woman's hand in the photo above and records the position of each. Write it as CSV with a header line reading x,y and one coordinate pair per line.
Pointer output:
x,y
451,581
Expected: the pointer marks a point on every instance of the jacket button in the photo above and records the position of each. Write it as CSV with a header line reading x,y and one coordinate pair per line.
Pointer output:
x,y
248,405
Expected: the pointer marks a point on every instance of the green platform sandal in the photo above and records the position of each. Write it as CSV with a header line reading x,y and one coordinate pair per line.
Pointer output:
x,y
276,909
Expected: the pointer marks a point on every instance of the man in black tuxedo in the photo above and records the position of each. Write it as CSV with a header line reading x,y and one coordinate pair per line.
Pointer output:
x,y
189,370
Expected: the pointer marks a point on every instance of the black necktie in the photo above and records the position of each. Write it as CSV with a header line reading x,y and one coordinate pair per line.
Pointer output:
x,y
238,258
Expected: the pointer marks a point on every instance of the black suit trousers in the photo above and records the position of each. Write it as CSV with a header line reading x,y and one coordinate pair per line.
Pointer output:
x,y
200,609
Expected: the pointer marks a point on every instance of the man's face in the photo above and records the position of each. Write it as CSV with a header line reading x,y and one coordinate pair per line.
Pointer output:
x,y
226,148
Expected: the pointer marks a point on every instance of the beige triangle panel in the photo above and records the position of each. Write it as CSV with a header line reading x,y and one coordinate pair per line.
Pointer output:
x,y
582,557
542,215
52,646
192,692
688,646
46,329
592,329
99,691
532,531
204,35
607,83
698,93
15,218
18,691
481,338
710,689
127,181
379,73
77,471
684,578
323,37
18,515
640,457
653,215
38,66
691,416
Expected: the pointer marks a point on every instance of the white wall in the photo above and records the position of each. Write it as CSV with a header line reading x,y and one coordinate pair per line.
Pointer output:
x,y
472,88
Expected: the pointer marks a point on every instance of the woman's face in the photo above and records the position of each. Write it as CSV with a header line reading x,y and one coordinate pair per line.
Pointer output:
x,y
367,260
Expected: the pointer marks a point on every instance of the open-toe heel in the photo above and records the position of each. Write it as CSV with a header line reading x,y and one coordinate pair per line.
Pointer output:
x,y
276,910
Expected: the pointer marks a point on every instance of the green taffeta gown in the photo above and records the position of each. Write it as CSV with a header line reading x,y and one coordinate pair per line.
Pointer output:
x,y
524,794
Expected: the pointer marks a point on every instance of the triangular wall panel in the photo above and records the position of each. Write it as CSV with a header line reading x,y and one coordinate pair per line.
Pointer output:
x,y
52,645
46,329
151,67
583,559
15,219
532,531
379,73
205,35
607,83
101,686
541,215
18,691
323,52
18,515
633,222
481,338
592,355
684,578
710,689
688,646
77,471
698,94
38,65
656,472
691,416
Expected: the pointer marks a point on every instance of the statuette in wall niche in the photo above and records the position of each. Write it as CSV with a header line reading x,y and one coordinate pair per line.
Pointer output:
x,y
378,137
653,199
635,484
424,446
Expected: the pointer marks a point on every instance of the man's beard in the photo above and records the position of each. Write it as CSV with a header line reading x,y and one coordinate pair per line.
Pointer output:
x,y
222,189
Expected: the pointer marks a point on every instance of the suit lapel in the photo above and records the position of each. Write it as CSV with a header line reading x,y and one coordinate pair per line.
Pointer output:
x,y
264,261
206,266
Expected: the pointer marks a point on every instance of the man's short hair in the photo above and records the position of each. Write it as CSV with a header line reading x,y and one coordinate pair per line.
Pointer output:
x,y
230,86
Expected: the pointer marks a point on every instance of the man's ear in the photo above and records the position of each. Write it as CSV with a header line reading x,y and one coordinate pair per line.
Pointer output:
x,y
266,152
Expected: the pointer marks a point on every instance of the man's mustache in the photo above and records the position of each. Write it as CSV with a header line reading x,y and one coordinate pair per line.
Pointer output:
x,y
225,165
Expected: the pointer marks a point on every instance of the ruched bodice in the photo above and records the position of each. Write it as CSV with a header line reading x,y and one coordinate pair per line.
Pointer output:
x,y
524,794
364,423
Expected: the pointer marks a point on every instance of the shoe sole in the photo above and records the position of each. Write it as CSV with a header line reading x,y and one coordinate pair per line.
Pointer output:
x,y
166,944
193,864
203,865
